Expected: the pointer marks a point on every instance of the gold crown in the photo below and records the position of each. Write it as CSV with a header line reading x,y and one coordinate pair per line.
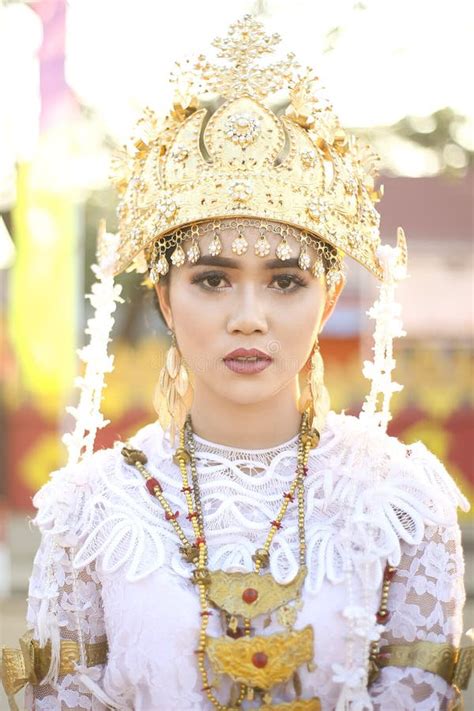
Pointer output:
x,y
293,164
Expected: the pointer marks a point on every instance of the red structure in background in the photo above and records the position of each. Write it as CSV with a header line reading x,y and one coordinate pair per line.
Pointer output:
x,y
35,448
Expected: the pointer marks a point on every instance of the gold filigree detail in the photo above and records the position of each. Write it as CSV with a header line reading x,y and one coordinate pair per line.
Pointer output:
x,y
464,665
31,663
283,651
454,665
226,590
245,43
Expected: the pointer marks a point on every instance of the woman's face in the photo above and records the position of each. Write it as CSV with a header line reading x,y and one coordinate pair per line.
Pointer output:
x,y
228,302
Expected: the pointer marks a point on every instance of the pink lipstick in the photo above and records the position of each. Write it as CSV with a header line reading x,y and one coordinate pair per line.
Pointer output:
x,y
248,361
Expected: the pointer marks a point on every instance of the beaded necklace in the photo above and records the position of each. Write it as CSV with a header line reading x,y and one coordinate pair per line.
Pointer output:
x,y
254,663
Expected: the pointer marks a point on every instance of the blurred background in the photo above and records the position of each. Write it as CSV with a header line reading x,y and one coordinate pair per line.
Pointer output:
x,y
73,78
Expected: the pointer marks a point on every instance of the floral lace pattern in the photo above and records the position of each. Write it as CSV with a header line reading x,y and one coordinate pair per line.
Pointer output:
x,y
369,499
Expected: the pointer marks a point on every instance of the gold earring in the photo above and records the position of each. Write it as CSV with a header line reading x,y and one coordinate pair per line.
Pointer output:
x,y
174,392
314,396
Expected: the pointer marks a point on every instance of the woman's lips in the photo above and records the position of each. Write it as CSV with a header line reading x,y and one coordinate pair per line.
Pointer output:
x,y
247,360
247,365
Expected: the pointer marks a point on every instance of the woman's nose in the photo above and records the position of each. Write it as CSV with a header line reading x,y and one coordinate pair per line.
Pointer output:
x,y
248,312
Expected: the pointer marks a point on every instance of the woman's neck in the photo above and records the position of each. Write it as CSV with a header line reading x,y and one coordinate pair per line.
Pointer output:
x,y
248,426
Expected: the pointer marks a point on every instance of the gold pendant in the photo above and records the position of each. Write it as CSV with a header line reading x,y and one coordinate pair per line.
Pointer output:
x,y
250,594
260,662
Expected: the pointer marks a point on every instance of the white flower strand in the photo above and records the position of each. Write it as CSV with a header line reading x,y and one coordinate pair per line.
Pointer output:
x,y
104,298
388,325
363,628
347,673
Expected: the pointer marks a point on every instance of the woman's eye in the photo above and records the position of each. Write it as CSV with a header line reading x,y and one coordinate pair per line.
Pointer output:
x,y
212,279
286,280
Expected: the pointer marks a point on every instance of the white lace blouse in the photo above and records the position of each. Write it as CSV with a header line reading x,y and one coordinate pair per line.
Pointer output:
x,y
109,566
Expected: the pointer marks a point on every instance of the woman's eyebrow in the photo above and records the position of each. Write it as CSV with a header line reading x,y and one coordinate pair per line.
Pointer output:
x,y
210,261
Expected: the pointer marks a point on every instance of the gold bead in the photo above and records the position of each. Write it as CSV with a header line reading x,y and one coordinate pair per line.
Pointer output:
x,y
181,456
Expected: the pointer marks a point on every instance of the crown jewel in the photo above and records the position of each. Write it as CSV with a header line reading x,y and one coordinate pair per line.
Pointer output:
x,y
245,43
294,165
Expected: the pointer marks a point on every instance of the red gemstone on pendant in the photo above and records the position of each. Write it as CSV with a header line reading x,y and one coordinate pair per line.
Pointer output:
x,y
389,573
382,616
249,595
260,660
152,484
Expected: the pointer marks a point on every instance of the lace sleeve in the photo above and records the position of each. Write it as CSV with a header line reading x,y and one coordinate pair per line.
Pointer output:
x,y
425,601
66,604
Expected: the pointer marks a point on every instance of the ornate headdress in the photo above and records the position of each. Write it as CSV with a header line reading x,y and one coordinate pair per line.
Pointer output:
x,y
290,163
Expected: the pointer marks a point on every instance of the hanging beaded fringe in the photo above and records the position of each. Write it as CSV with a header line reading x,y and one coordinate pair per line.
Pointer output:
x,y
315,396
173,393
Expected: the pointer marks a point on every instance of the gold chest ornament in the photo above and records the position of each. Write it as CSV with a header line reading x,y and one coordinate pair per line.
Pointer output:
x,y
254,663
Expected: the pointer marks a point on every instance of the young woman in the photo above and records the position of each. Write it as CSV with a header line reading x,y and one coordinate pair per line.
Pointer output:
x,y
250,548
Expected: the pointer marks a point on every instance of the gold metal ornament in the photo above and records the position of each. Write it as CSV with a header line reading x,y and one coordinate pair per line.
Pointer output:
x,y
283,251
215,247
245,160
240,245
261,661
314,395
323,261
173,393
252,594
262,245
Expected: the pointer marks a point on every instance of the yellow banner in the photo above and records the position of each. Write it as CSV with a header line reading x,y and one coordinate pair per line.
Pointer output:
x,y
43,307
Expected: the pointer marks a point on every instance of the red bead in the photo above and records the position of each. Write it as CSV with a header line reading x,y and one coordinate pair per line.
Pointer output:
x,y
276,524
200,540
206,613
260,660
305,470
289,496
249,595
382,616
152,484
185,489
191,515
171,516
389,573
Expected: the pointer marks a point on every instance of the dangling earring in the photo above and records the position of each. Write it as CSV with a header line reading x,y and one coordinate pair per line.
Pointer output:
x,y
173,392
315,396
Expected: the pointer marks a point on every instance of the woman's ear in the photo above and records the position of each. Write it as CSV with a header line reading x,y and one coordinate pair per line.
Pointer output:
x,y
163,294
331,302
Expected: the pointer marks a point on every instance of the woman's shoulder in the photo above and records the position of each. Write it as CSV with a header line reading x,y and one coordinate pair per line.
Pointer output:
x,y
60,500
385,495
386,466
101,506
67,486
